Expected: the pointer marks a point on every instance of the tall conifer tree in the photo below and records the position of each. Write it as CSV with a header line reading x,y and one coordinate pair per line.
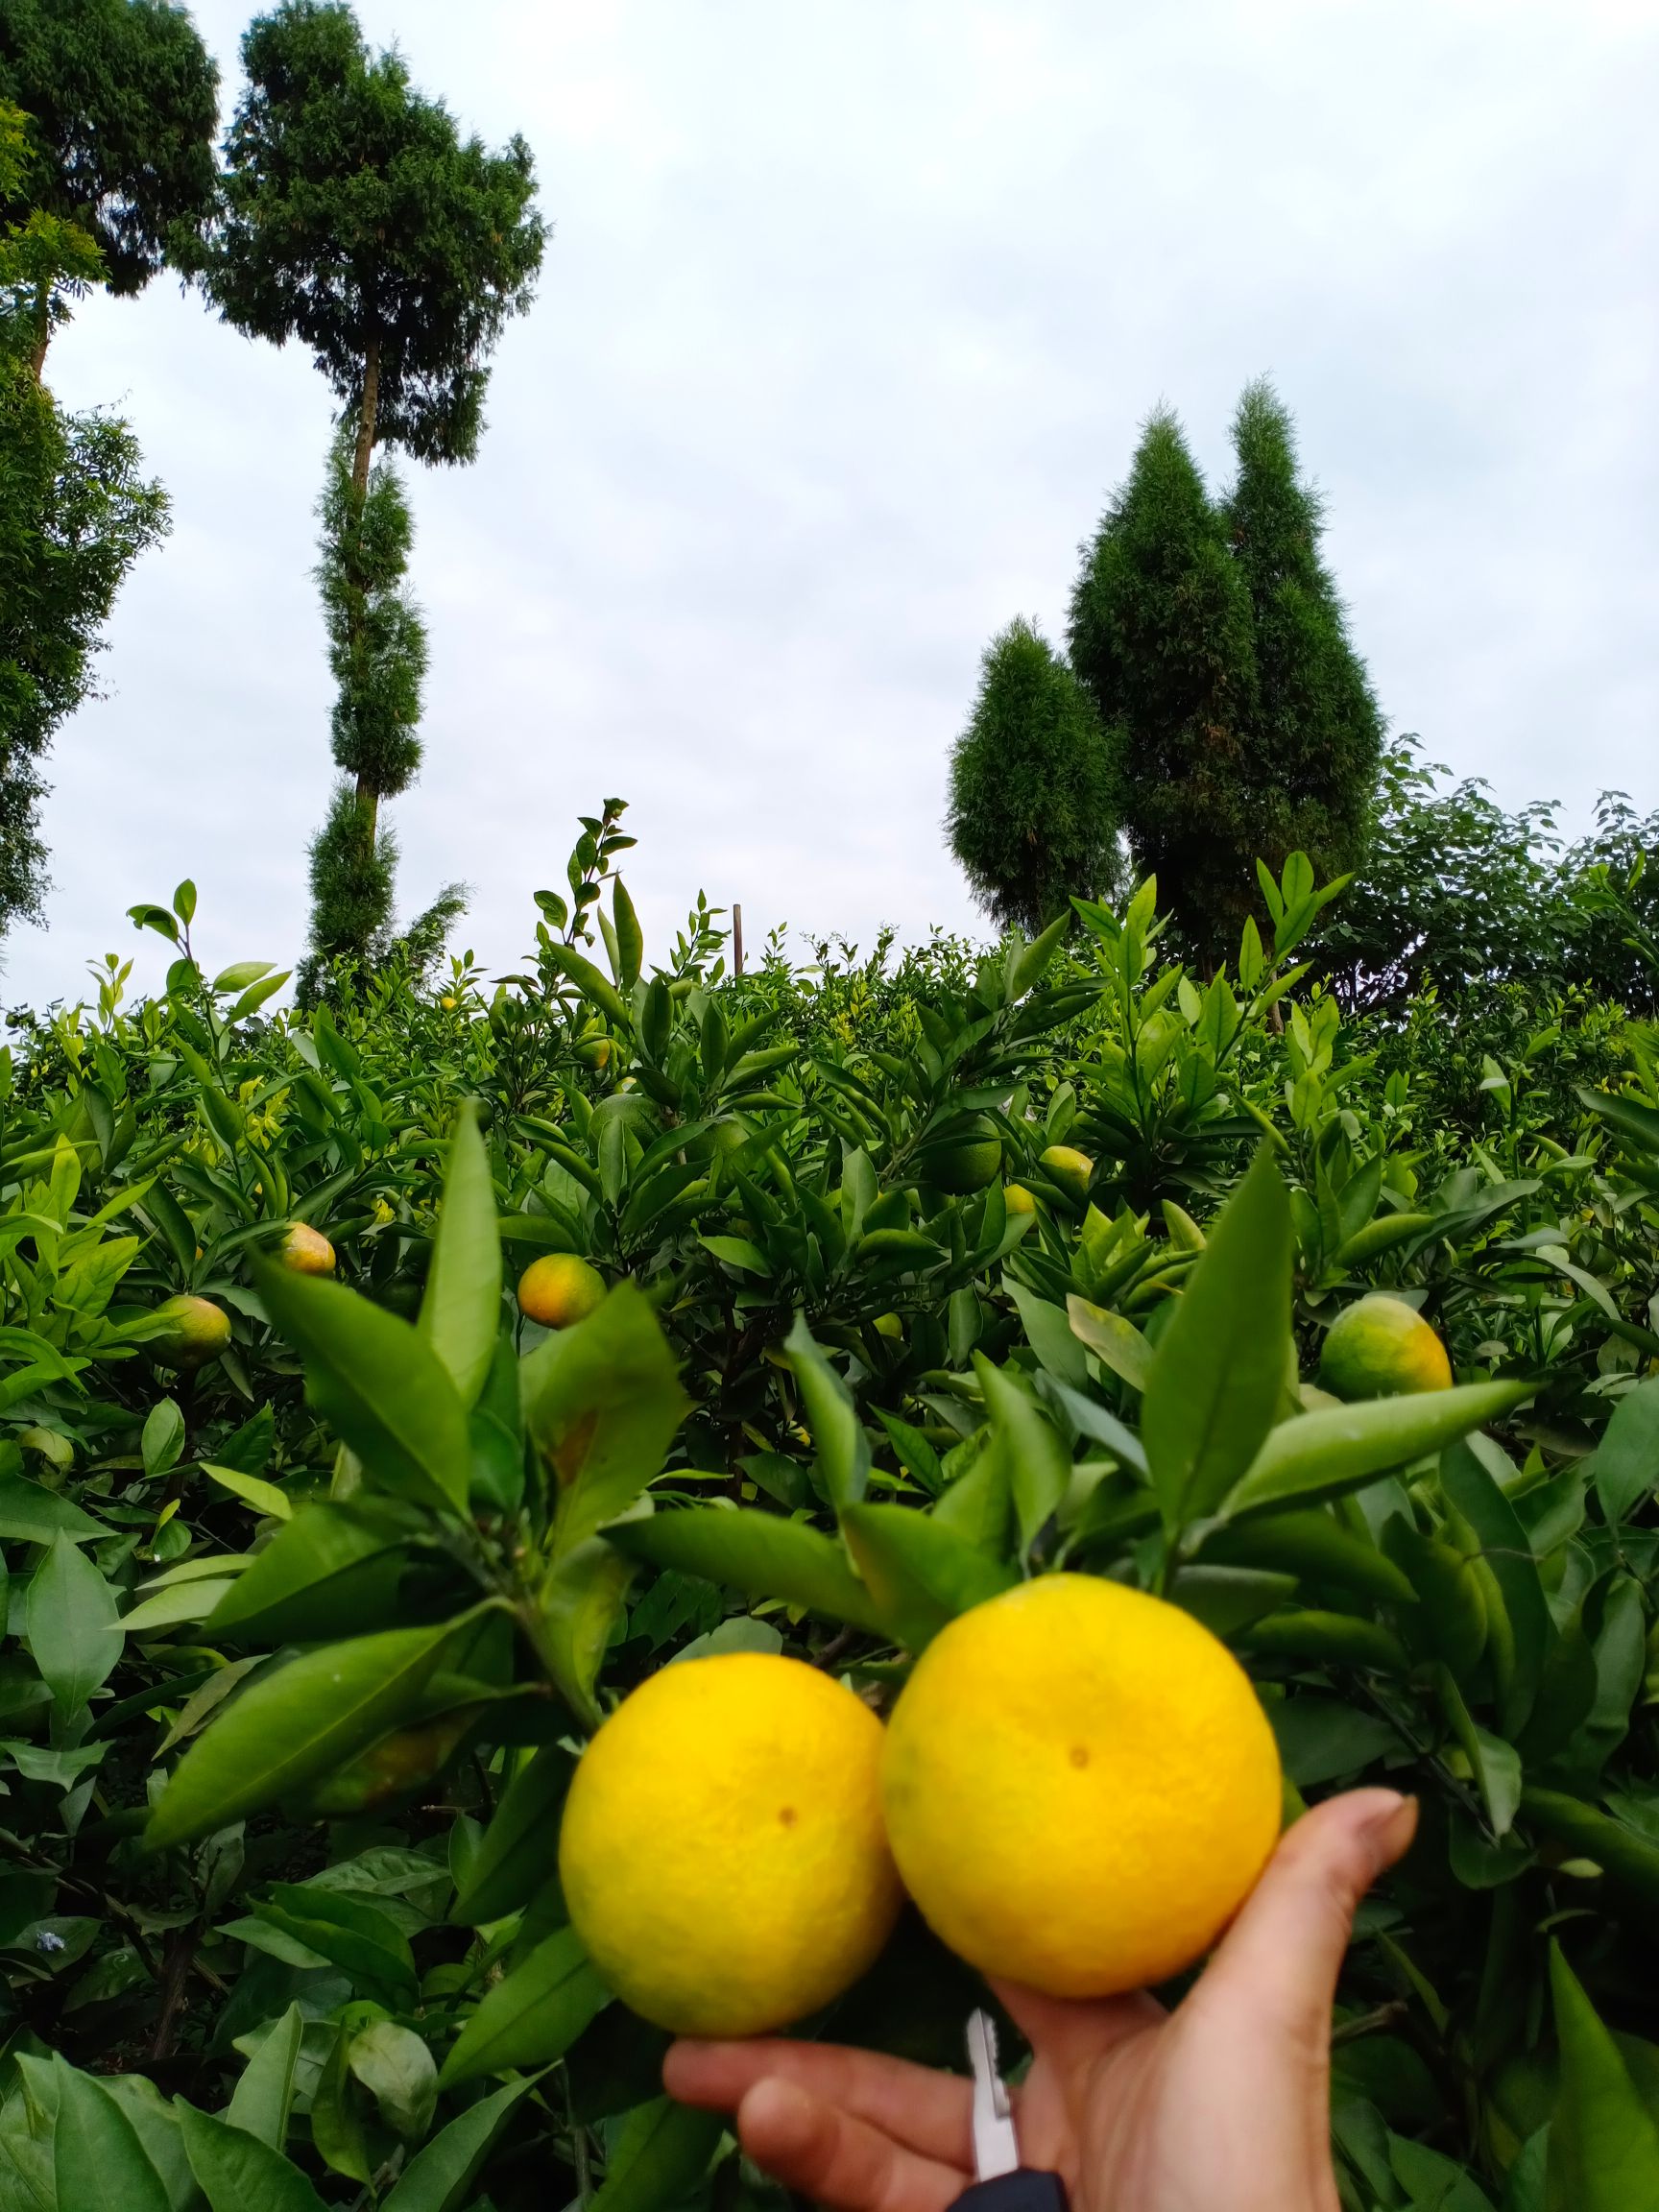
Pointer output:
x,y
1033,803
356,219
1315,737
1214,643
1160,633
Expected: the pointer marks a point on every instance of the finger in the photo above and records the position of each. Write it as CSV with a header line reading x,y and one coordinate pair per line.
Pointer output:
x,y
826,2153
1070,2031
1280,1959
929,2112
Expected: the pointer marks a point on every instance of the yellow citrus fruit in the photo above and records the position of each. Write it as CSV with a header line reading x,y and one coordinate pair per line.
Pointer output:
x,y
196,1331
1381,1348
307,1251
722,1852
1080,1786
559,1288
1017,1199
1069,1167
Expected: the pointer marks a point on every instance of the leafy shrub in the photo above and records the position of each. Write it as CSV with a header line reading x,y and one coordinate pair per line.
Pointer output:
x,y
302,1642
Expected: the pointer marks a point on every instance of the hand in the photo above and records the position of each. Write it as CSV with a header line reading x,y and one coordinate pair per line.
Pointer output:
x,y
1222,2106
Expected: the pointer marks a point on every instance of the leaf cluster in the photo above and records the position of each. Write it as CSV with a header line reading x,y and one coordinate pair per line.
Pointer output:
x,y
122,97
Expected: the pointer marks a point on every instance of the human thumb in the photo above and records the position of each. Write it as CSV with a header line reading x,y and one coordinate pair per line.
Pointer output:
x,y
1278,1964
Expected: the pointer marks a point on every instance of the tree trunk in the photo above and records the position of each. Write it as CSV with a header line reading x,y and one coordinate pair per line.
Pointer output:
x,y
368,798
371,407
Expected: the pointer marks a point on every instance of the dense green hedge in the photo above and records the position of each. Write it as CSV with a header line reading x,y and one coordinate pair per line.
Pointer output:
x,y
301,1643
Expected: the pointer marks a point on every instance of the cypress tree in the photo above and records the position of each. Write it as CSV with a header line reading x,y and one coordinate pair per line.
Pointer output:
x,y
1315,737
1160,633
1033,813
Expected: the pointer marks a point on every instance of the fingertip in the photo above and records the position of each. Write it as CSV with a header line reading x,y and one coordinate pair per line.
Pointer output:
x,y
776,2119
691,2068
1287,1943
1393,1832
1375,1826
679,2067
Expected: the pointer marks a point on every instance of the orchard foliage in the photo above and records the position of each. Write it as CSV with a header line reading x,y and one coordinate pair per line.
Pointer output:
x,y
303,1642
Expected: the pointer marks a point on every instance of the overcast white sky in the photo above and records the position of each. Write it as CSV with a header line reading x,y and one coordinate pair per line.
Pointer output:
x,y
849,321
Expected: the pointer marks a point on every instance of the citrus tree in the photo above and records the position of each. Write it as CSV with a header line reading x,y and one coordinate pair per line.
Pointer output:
x,y
915,1290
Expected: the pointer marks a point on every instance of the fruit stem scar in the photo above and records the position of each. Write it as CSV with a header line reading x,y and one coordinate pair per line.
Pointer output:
x,y
789,1815
1079,1756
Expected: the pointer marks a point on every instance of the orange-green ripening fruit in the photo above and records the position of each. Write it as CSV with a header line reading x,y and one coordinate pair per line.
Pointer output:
x,y
722,1852
196,1331
1381,1348
1080,1786
559,1288
1017,1199
1069,1167
307,1251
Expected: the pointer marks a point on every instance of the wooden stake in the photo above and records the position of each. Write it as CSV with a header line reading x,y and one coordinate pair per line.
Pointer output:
x,y
738,940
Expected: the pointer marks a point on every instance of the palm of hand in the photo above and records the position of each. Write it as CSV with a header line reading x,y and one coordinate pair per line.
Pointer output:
x,y
1220,2106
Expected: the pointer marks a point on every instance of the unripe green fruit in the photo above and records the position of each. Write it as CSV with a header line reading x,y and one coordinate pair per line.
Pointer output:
x,y
307,1251
965,1168
396,1767
196,1331
559,1290
1017,1199
1069,1167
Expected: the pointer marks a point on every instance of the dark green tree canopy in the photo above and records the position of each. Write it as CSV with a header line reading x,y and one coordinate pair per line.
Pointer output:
x,y
1454,892
1214,644
1160,633
1457,894
1316,738
123,100
75,514
1033,815
356,219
